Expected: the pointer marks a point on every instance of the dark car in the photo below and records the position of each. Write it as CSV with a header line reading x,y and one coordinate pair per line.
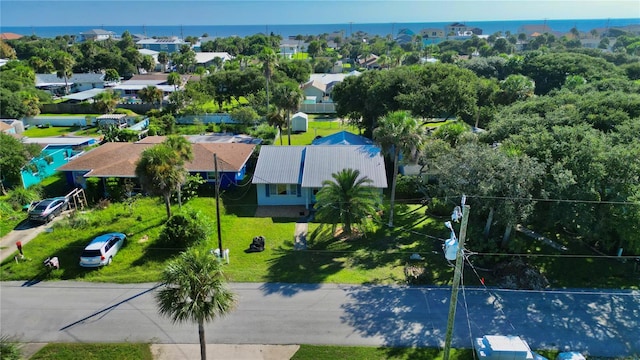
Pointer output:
x,y
47,209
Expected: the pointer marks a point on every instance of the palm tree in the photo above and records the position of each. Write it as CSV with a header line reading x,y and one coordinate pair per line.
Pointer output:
x,y
288,97
63,62
275,119
183,151
151,95
106,101
175,80
194,290
160,172
269,61
163,58
348,199
399,133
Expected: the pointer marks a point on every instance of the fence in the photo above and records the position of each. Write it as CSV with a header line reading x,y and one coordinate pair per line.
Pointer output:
x,y
318,108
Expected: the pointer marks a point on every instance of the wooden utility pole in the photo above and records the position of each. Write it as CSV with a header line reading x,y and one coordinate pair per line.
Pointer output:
x,y
456,281
217,186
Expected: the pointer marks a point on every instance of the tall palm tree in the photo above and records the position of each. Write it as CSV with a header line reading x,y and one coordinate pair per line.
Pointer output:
x,y
348,198
288,97
175,80
160,172
269,61
194,291
398,133
163,58
275,119
63,62
184,152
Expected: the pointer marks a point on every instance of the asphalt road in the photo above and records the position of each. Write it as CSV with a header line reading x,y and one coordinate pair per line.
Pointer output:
x,y
598,323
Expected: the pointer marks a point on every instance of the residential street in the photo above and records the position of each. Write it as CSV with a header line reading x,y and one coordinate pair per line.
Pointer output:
x,y
598,323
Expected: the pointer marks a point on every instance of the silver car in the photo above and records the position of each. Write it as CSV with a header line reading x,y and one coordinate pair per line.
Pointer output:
x,y
45,210
101,250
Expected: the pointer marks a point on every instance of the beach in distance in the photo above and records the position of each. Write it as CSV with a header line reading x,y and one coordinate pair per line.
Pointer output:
x,y
380,29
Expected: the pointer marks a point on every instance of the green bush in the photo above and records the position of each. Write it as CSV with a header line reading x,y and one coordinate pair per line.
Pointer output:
x,y
264,132
20,197
189,189
94,190
183,230
9,349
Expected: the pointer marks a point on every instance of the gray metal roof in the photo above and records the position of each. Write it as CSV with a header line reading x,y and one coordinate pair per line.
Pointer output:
x,y
84,95
322,161
279,165
48,79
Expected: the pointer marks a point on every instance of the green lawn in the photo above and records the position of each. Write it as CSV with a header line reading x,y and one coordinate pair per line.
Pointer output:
x,y
321,126
35,132
378,259
73,351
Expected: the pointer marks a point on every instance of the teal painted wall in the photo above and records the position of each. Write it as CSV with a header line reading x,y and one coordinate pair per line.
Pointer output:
x,y
58,155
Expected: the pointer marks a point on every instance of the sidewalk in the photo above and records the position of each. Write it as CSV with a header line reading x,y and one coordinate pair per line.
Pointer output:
x,y
224,351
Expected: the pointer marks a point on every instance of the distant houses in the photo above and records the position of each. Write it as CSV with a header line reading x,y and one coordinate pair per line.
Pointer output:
x,y
97,35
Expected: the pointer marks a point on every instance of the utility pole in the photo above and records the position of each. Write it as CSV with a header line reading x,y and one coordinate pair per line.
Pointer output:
x,y
217,186
456,281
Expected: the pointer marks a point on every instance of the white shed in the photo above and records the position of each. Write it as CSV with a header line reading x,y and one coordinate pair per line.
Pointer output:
x,y
299,122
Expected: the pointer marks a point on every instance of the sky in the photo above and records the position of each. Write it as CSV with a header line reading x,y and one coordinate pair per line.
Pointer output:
x,y
278,12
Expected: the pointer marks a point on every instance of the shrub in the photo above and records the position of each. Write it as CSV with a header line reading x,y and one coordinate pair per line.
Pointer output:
x,y
265,132
94,190
189,189
9,349
20,197
408,187
183,230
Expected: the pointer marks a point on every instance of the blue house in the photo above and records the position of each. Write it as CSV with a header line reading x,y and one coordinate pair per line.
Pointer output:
x,y
168,45
293,175
342,138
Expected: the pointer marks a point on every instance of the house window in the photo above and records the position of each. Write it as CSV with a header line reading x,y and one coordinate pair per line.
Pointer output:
x,y
283,189
211,175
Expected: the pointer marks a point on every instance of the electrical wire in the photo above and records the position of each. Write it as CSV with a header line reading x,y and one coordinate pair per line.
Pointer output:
x,y
466,309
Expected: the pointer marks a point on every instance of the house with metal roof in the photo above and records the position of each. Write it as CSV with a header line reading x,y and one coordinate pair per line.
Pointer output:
x,y
116,159
293,175
342,138
76,82
97,35
169,45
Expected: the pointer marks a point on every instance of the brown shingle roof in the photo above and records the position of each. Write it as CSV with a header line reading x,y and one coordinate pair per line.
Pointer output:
x,y
119,159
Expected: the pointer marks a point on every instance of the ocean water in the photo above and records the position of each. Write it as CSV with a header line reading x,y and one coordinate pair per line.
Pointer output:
x,y
381,29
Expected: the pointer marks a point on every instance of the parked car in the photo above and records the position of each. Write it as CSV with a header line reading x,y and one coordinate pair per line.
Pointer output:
x,y
101,250
45,210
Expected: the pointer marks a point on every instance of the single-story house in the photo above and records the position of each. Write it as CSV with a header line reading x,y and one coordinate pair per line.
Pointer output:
x,y
11,126
168,45
119,160
97,35
342,138
293,175
83,95
76,83
206,58
131,87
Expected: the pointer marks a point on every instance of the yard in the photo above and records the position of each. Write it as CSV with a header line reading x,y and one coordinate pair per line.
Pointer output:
x,y
318,126
378,257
